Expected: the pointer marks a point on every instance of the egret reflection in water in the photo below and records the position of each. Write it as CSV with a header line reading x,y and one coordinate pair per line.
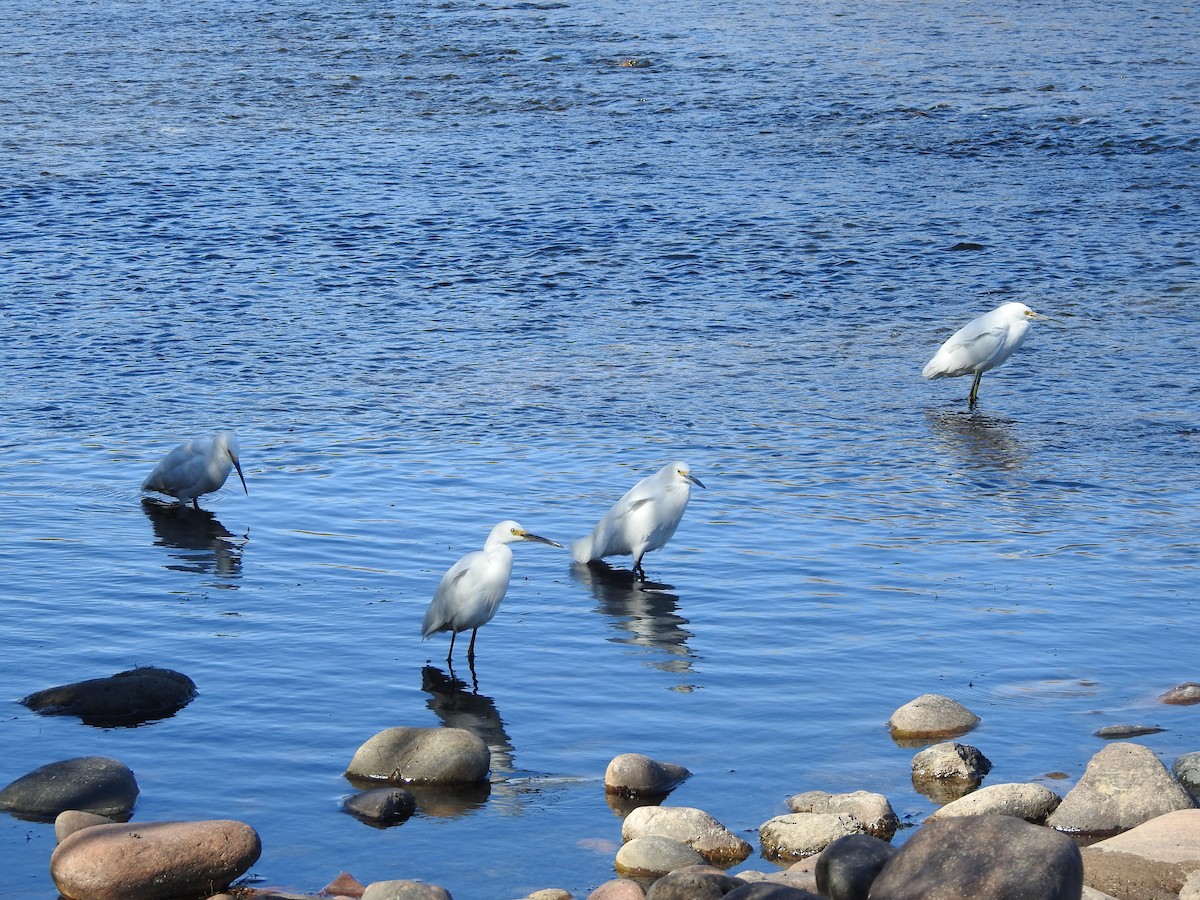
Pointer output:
x,y
460,706
645,611
979,441
197,539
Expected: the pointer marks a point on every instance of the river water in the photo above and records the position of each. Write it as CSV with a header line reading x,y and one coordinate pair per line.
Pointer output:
x,y
443,263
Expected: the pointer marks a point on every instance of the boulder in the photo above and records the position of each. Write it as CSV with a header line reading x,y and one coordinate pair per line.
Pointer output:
x,y
441,756
153,860
931,717
95,784
694,827
848,866
984,858
700,882
872,810
1031,802
381,806
127,698
797,835
653,857
1149,862
770,890
635,775
1123,786
404,890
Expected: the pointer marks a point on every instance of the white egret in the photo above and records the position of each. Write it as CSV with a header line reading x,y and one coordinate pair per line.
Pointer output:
x,y
471,590
981,344
196,467
643,520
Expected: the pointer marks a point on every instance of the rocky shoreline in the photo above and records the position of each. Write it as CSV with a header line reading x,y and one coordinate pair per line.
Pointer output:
x,y
1128,829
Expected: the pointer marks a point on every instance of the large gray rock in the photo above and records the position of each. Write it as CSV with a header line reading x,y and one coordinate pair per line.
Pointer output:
x,y
1152,861
444,756
872,810
653,857
694,827
1031,802
1187,770
127,698
931,717
95,784
798,835
847,867
153,860
983,858
1123,786
700,882
635,775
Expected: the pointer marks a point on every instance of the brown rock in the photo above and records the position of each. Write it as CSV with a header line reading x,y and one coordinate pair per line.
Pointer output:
x,y
931,717
635,775
618,889
422,756
1186,694
70,821
1148,862
153,860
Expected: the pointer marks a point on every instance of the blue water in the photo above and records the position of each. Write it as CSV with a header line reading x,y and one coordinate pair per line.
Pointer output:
x,y
440,264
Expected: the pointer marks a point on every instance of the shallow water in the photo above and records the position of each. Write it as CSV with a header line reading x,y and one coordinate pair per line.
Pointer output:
x,y
449,263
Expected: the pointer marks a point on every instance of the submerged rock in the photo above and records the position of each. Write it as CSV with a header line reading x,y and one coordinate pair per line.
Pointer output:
x,y
127,698
381,806
153,860
94,784
443,756
1186,694
949,770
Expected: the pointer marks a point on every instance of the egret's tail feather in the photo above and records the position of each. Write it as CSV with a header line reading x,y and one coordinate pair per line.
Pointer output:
x,y
581,550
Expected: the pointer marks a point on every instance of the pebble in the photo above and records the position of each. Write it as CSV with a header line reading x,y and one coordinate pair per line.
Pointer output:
x,y
694,827
422,756
931,717
153,860
635,775
95,784
126,698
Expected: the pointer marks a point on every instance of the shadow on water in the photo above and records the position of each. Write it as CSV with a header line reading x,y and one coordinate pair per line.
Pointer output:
x,y
977,440
206,547
645,611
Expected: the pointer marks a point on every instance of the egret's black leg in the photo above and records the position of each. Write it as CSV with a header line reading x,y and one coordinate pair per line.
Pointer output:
x,y
450,655
471,648
974,395
638,571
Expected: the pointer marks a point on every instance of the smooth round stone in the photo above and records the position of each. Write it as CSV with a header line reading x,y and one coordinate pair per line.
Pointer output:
x,y
153,860
653,857
422,756
618,889
798,835
873,810
694,827
1186,694
127,698
402,889
693,883
949,770
1031,802
930,717
70,821
848,866
635,775
1187,770
95,784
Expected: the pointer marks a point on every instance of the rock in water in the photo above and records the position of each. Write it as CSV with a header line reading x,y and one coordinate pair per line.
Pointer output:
x,y
153,860
95,784
422,756
127,698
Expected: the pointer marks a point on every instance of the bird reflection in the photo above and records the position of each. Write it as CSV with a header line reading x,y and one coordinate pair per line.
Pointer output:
x,y
645,610
461,707
205,545
983,442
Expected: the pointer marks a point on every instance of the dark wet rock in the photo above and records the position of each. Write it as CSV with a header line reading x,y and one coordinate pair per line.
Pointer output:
x,y
770,890
1186,694
931,717
983,858
966,245
696,882
653,857
153,860
127,698
95,784
1115,732
381,806
694,827
70,821
872,810
402,889
1031,802
1187,770
635,775
848,866
422,756
798,835
618,889
1153,860
1123,786
949,770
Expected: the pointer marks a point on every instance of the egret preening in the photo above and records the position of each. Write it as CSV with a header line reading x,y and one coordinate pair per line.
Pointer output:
x,y
471,590
196,467
981,344
643,520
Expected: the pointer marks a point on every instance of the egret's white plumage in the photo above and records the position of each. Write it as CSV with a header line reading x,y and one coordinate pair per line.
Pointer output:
x,y
643,520
981,344
196,467
472,588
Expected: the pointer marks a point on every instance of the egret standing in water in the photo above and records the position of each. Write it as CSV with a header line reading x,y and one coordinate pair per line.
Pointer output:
x,y
643,520
196,467
981,344
471,590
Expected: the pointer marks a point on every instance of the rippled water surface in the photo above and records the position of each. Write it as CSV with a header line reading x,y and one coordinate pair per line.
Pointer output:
x,y
439,264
